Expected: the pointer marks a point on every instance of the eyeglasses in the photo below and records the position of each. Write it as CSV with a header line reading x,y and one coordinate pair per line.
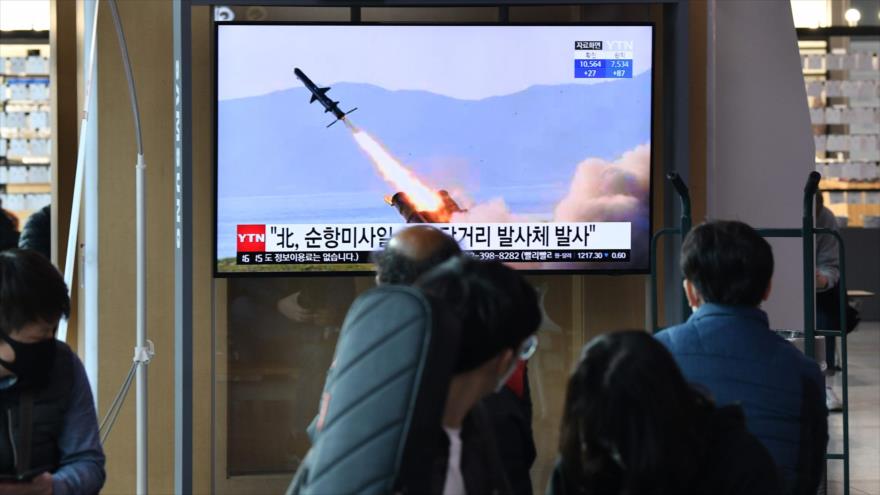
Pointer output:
x,y
527,348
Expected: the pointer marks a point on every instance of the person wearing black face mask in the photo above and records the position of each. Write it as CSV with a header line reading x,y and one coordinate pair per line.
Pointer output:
x,y
49,440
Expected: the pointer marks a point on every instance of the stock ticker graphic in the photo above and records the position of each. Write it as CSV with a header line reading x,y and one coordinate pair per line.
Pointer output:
x,y
603,59
491,139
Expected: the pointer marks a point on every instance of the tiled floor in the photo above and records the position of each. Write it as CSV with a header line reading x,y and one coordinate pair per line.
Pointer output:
x,y
864,418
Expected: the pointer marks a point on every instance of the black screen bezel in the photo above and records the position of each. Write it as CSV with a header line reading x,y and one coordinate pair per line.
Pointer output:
x,y
327,273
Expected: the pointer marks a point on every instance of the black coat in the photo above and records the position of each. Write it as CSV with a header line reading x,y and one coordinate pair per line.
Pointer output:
x,y
511,418
39,410
481,465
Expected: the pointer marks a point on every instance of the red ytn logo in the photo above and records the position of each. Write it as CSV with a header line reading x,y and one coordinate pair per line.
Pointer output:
x,y
251,239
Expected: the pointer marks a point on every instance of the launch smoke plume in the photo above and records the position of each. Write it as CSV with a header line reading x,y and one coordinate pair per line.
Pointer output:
x,y
494,210
600,191
616,191
401,178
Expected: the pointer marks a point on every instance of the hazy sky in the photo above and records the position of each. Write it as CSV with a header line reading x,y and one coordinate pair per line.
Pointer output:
x,y
466,62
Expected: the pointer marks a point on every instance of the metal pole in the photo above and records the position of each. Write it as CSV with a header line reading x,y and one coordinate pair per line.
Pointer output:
x,y
183,351
652,280
73,231
142,354
809,265
844,362
675,130
142,402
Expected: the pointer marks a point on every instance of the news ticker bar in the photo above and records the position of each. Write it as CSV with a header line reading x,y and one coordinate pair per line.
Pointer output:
x,y
511,236
359,257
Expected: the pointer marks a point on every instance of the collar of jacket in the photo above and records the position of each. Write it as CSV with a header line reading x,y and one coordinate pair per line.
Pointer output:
x,y
713,310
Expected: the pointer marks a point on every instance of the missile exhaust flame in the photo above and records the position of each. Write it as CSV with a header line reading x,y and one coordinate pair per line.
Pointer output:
x,y
421,195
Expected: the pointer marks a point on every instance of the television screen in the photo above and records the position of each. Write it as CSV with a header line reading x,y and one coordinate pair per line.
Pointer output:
x,y
528,144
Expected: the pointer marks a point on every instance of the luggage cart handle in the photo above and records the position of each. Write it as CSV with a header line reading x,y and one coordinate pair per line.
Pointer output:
x,y
685,196
810,191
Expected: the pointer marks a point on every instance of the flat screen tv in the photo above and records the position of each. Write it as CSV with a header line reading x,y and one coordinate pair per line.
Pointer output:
x,y
529,144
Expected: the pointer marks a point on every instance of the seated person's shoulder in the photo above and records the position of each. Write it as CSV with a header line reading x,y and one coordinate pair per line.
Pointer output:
x,y
680,338
786,352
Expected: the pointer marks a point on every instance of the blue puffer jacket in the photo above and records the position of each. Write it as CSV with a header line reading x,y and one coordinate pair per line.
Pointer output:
x,y
733,354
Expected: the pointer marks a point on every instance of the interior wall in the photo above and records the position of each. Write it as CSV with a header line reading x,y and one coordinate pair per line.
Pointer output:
x,y
761,144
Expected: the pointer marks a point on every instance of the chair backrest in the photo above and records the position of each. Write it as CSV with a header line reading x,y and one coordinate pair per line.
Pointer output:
x,y
383,402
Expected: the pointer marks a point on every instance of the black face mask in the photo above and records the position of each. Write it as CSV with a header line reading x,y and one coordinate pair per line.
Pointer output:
x,y
33,362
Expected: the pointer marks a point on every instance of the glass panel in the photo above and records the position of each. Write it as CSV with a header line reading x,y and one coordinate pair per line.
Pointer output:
x,y
559,341
281,338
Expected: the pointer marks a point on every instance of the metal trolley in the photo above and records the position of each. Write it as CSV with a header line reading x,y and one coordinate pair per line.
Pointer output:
x,y
806,233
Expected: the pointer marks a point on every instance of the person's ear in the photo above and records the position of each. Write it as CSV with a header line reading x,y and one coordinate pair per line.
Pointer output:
x,y
693,295
768,290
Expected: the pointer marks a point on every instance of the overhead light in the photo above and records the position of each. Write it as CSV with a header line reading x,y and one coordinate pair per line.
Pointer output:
x,y
811,14
852,16
24,15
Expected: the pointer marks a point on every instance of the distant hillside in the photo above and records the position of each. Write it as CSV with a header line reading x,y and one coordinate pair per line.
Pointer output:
x,y
277,144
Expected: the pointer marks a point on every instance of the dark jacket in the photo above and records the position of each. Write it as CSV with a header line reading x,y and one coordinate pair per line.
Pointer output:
x,y
731,352
511,416
36,233
481,465
69,448
733,462
37,413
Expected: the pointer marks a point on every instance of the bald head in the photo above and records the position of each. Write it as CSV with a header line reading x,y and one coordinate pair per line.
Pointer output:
x,y
412,252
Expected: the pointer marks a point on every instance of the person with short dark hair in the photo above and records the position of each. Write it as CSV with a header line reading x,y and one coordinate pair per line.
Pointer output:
x,y
37,232
727,346
499,316
49,431
632,424
412,252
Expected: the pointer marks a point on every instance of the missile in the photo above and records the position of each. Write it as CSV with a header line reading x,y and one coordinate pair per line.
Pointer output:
x,y
320,95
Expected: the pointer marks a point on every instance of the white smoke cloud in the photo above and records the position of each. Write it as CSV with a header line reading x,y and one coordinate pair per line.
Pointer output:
x,y
616,191
495,210
600,191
